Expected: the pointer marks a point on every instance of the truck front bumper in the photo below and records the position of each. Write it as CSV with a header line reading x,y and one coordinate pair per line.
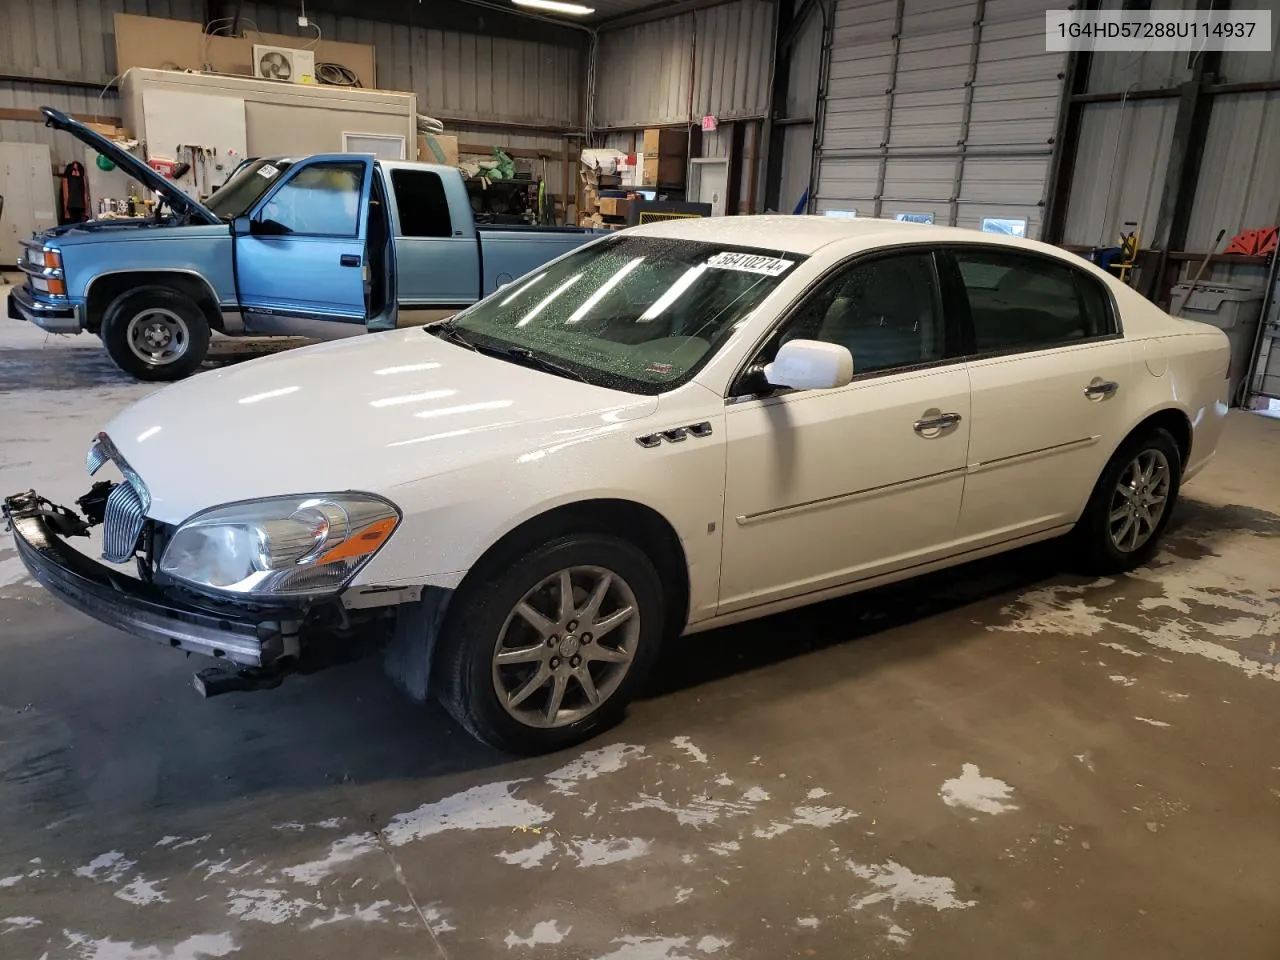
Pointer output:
x,y
54,317
246,635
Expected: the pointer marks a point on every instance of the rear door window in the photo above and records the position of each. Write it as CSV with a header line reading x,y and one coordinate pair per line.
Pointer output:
x,y
1019,302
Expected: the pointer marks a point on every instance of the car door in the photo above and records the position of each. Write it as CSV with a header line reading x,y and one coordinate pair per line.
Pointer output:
x,y
439,259
1048,369
825,487
301,257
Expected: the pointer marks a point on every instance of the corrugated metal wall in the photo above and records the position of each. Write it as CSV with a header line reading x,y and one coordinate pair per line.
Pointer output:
x,y
940,107
712,61
456,75
73,39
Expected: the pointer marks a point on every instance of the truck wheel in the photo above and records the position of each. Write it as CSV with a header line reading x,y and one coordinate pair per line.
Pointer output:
x,y
547,652
155,333
1130,506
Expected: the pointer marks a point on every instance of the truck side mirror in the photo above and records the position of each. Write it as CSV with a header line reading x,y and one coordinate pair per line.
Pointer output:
x,y
241,226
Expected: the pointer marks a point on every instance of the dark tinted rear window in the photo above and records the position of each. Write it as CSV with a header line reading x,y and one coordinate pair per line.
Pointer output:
x,y
424,210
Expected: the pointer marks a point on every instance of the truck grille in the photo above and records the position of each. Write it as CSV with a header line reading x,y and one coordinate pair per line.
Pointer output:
x,y
126,511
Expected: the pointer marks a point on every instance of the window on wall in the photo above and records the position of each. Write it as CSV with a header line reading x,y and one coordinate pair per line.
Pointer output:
x,y
321,199
1021,302
885,311
420,198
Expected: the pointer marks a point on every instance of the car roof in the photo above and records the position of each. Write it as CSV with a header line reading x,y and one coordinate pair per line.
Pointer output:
x,y
808,235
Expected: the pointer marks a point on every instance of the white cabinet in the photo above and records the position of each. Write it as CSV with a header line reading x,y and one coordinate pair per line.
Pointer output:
x,y
26,183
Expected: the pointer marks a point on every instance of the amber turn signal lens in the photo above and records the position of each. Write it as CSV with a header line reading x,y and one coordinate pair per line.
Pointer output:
x,y
363,543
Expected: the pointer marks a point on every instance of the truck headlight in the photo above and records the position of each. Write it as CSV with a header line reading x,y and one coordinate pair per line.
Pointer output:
x,y
285,546
44,257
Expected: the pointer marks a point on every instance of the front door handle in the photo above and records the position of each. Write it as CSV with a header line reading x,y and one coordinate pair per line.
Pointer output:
x,y
1101,389
940,422
350,260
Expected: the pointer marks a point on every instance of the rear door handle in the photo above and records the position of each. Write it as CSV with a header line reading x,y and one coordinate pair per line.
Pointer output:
x,y
1101,389
349,260
940,422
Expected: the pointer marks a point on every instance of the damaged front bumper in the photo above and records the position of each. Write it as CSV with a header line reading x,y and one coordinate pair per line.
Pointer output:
x,y
248,635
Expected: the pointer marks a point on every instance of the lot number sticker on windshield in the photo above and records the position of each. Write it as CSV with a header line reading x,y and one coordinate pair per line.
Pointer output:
x,y
268,171
750,263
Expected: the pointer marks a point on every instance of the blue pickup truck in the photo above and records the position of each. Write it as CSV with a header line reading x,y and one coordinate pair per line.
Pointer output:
x,y
322,247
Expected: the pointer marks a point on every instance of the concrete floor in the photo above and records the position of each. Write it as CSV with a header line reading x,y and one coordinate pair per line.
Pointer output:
x,y
1003,760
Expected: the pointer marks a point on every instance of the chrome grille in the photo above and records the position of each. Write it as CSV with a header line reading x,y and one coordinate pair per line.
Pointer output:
x,y
122,523
126,510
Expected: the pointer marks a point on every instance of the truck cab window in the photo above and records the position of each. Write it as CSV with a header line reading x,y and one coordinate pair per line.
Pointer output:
x,y
424,209
321,199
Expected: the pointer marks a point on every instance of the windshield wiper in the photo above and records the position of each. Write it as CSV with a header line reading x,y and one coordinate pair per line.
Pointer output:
x,y
530,359
448,330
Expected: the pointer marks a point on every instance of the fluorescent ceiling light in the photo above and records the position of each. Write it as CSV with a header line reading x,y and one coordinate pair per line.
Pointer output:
x,y
555,6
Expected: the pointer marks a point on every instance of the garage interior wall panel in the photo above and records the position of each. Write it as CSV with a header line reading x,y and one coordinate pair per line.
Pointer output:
x,y
457,76
679,69
73,39
1119,169
930,124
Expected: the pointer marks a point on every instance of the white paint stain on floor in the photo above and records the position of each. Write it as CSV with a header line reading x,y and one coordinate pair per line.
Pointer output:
x,y
198,947
1154,723
357,914
267,905
108,867
688,746
486,807
529,857
664,948
545,933
808,923
973,791
340,852
599,853
142,892
898,885
817,793
896,934
19,923
593,764
1122,679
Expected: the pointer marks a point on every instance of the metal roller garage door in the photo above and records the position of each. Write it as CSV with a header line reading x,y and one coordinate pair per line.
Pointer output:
x,y
939,108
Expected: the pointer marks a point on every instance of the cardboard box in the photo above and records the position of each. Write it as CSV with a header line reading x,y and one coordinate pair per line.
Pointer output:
x,y
664,171
662,142
614,206
438,148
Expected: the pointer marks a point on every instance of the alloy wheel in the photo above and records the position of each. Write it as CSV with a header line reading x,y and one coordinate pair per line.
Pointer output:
x,y
1139,501
157,336
566,646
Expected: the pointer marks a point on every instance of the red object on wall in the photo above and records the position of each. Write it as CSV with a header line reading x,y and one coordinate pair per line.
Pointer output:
x,y
1254,243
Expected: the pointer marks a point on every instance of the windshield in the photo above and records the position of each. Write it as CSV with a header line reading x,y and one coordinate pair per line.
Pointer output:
x,y
244,188
641,314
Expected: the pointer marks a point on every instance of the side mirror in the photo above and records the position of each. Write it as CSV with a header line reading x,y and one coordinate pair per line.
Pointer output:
x,y
810,365
241,226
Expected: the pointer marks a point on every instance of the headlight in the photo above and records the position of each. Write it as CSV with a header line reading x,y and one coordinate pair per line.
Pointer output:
x,y
286,546
46,257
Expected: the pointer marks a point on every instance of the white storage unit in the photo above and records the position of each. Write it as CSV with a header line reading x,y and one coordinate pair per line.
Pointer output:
x,y
939,107
240,116
26,184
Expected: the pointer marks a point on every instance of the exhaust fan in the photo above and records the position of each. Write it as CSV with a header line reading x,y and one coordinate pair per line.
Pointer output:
x,y
284,63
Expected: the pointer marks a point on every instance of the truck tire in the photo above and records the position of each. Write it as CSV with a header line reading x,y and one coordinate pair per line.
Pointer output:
x,y
155,333
527,671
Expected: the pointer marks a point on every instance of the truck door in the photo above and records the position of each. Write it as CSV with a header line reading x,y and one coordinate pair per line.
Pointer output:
x,y
301,256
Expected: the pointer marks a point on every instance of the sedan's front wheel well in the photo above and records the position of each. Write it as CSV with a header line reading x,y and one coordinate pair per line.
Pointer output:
x,y
640,525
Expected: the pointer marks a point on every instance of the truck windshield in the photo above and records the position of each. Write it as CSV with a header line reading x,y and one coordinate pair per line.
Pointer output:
x,y
641,314
243,189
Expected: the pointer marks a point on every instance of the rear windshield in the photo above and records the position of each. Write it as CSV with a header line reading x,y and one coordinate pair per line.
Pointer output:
x,y
641,314
245,187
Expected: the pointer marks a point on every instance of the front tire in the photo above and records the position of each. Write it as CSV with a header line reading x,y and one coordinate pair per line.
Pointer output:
x,y
1130,506
547,652
155,334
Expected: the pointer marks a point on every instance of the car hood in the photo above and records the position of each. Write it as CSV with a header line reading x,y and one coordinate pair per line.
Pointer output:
x,y
140,171
367,413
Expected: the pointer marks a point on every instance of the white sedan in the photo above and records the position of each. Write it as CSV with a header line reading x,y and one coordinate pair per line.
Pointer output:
x,y
678,427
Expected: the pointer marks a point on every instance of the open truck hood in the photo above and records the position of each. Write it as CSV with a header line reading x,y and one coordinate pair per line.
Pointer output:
x,y
179,201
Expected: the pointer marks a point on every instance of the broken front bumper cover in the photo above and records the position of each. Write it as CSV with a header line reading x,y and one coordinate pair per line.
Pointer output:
x,y
246,635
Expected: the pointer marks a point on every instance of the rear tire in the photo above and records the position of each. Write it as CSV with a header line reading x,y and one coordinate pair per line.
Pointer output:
x,y
1131,504
524,681
155,333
